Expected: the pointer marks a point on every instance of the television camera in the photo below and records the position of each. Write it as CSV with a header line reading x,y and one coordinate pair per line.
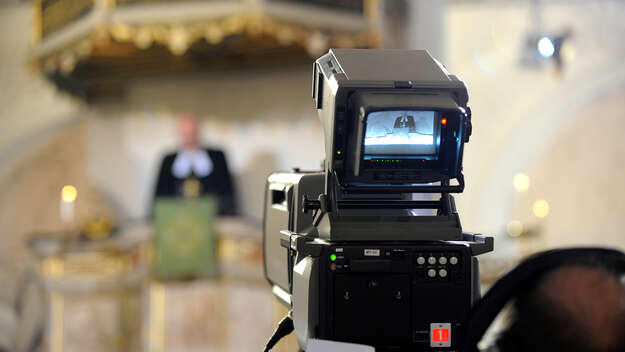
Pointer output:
x,y
362,252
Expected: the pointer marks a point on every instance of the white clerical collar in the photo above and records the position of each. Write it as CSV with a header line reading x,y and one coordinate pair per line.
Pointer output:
x,y
188,160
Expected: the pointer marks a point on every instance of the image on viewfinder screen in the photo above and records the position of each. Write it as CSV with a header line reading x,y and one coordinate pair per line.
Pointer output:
x,y
400,132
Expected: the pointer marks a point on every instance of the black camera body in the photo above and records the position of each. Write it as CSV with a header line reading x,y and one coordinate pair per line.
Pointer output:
x,y
361,252
379,294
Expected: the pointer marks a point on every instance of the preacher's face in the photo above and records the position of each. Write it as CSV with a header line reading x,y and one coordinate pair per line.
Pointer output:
x,y
188,131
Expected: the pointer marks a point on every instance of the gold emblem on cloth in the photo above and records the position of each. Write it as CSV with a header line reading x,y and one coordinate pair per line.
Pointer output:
x,y
191,188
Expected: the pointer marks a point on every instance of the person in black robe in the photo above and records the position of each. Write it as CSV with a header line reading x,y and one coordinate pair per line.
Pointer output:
x,y
194,171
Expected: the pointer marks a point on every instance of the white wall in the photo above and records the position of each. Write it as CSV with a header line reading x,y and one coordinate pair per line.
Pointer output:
x,y
580,174
426,26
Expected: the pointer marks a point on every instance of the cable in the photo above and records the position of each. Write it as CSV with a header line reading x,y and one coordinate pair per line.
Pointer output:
x,y
285,327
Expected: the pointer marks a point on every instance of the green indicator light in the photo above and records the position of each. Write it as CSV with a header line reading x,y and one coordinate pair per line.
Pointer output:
x,y
338,152
332,257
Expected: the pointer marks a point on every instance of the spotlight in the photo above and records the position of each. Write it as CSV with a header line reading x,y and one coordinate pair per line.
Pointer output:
x,y
541,48
546,48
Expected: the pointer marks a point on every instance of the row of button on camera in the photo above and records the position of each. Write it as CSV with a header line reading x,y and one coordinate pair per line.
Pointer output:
x,y
440,260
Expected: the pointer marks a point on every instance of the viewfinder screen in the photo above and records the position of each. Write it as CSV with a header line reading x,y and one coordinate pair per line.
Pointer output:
x,y
400,132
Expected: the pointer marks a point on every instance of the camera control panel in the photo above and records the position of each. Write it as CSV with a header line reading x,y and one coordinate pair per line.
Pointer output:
x,y
409,294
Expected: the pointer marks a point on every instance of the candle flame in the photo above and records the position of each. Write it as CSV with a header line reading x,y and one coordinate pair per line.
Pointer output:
x,y
69,193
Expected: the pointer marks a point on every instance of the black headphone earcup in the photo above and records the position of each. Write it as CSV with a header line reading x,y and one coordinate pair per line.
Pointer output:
x,y
486,309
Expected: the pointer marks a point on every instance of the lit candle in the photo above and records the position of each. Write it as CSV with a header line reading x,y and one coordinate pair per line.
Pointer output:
x,y
68,197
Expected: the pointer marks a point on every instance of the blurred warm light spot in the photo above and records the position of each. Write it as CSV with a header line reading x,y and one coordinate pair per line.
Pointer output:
x,y
521,182
121,32
515,228
213,35
317,43
143,38
541,208
179,40
69,193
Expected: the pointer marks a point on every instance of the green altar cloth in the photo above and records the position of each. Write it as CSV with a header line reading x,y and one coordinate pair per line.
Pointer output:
x,y
185,238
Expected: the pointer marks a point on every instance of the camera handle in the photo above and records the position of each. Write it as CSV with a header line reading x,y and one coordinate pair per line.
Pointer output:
x,y
445,205
444,187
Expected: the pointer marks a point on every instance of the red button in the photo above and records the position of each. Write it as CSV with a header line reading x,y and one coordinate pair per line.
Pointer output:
x,y
440,335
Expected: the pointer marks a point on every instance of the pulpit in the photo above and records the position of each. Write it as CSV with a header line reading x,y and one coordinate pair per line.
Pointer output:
x,y
91,48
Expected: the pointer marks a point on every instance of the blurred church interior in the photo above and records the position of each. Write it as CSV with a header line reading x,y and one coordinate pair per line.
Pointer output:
x,y
89,104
